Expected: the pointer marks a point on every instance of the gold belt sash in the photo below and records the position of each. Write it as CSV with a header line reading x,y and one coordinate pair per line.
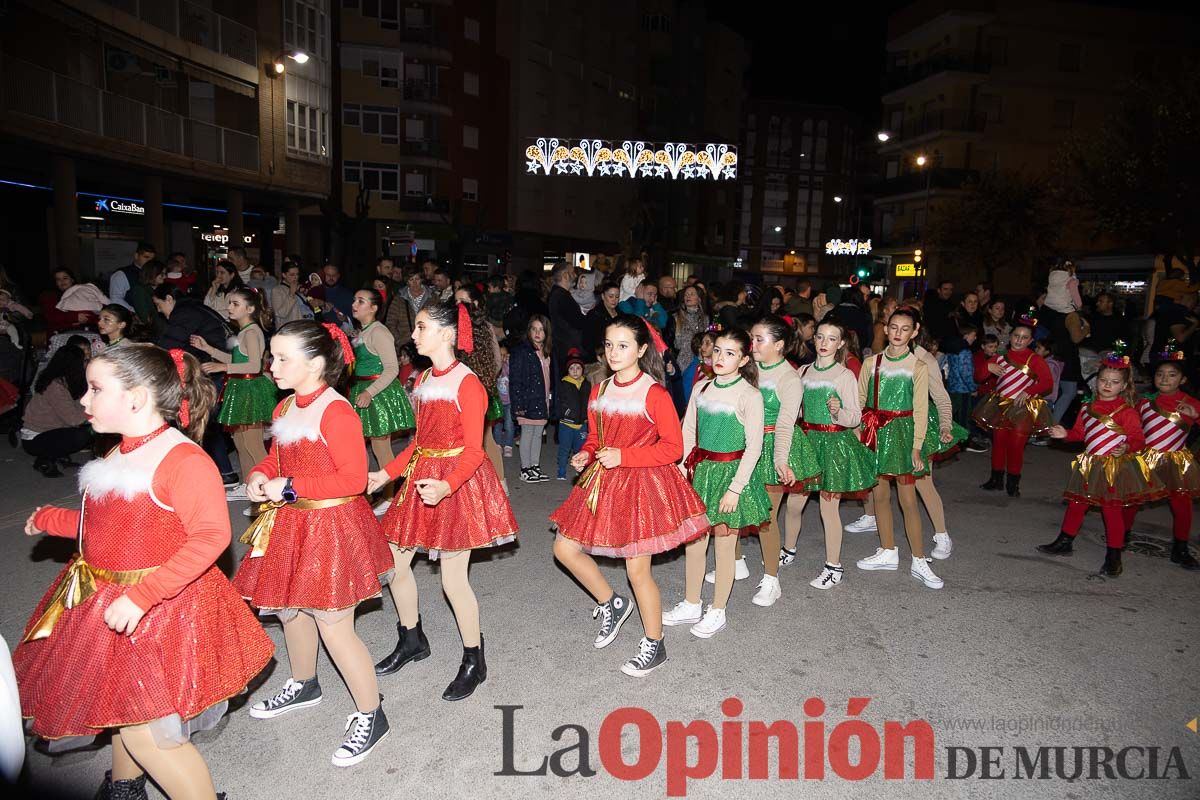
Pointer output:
x,y
258,535
76,587
417,455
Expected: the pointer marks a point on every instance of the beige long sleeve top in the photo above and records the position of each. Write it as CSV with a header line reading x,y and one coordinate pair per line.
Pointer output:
x,y
253,344
785,380
920,381
937,390
379,340
846,387
743,401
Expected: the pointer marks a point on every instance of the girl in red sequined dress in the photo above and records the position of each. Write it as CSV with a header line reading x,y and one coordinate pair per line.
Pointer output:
x,y
451,501
316,550
141,633
632,500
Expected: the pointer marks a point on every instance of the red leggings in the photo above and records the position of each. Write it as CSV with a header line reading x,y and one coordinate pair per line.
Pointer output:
x,y
1114,522
1181,512
1008,451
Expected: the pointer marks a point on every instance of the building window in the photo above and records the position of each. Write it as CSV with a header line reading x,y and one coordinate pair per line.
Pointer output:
x,y
471,84
471,137
997,51
1064,113
656,23
414,130
351,115
382,178
305,25
470,189
389,15
470,29
992,107
1069,57
414,184
307,130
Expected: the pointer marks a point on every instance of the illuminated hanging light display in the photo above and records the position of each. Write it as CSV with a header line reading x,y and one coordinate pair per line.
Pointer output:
x,y
600,158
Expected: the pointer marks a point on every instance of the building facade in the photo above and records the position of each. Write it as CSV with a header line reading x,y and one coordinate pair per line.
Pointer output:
x,y
973,87
184,125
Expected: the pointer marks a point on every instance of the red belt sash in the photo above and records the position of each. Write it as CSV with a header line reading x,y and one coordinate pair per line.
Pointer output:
x,y
768,429
814,426
238,376
875,418
697,455
364,377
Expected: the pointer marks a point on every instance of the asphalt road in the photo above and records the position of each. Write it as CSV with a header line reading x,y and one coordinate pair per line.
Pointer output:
x,y
1018,650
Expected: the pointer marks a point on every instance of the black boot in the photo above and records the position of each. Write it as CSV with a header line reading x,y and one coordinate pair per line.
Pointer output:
x,y
1064,545
133,789
994,483
471,673
47,467
1013,485
1183,557
1112,563
413,646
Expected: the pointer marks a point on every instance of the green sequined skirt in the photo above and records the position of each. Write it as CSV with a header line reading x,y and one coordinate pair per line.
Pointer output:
x,y
248,401
847,466
711,481
390,410
802,459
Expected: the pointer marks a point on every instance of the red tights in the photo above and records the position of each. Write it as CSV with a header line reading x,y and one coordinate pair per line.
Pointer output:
x,y
1181,512
1008,451
1114,521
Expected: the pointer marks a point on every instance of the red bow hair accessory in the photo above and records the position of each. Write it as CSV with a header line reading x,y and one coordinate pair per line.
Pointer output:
x,y
339,336
185,417
791,323
466,334
656,338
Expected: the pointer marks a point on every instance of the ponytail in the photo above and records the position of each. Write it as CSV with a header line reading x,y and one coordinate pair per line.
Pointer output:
x,y
154,368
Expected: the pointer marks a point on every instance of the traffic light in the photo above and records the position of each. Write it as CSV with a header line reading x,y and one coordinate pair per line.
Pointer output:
x,y
917,256
863,272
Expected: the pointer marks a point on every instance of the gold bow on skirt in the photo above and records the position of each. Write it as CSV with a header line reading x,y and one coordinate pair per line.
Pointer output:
x,y
258,535
76,587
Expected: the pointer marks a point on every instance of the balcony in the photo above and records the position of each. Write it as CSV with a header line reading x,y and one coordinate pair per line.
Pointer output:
x,y
898,77
427,96
196,24
933,123
424,204
914,182
425,152
37,92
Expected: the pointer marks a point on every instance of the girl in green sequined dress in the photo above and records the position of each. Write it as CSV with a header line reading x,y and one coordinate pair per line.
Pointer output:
x,y
894,392
722,442
831,414
375,392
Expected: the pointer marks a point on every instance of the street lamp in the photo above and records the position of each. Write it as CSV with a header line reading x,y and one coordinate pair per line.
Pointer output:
x,y
778,229
837,198
883,136
921,162
279,64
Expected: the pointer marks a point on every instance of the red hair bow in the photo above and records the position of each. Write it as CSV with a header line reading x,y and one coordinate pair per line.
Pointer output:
x,y
339,336
466,334
656,338
185,417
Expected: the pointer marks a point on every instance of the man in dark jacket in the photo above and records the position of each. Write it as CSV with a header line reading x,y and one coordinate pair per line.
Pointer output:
x,y
566,318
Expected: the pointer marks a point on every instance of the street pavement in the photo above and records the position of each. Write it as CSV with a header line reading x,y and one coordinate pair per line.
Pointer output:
x,y
1018,650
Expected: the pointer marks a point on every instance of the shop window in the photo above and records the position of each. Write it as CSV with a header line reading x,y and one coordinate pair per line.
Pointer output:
x,y
470,189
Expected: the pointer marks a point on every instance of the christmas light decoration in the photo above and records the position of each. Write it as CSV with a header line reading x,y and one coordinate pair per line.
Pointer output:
x,y
600,158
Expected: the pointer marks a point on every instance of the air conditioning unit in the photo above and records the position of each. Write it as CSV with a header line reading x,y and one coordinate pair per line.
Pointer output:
x,y
121,61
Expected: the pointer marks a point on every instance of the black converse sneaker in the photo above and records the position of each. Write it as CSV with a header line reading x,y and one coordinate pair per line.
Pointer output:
x,y
527,475
294,695
364,730
612,616
652,654
536,475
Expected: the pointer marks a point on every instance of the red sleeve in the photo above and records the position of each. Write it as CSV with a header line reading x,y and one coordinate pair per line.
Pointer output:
x,y
269,465
981,367
473,400
592,443
342,430
669,447
1131,423
187,480
56,521
854,365
1076,432
1043,379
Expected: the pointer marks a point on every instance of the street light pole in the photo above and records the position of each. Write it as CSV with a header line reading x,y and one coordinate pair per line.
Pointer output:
x,y
925,164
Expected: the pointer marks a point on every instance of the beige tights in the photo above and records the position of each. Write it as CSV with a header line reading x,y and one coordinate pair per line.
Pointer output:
x,y
381,448
347,651
933,503
455,584
250,449
882,494
179,771
645,591
695,561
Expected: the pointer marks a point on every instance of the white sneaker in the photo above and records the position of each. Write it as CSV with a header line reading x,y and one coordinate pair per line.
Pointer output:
x,y
711,625
768,591
684,613
740,572
922,572
863,524
236,494
831,576
382,507
942,546
883,559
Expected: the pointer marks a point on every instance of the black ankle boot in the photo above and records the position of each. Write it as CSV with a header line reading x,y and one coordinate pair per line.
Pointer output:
x,y
413,646
471,673
47,467
133,789
1183,557
1064,545
1112,563
1013,485
994,483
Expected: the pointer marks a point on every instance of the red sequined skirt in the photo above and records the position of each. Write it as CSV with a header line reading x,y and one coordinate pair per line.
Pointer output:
x,y
325,559
188,653
639,511
477,515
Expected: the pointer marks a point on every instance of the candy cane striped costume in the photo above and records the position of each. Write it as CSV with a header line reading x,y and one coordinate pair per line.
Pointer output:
x,y
1098,475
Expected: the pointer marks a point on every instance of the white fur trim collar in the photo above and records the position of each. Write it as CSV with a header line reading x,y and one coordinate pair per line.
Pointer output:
x,y
435,390
714,405
290,429
620,406
105,476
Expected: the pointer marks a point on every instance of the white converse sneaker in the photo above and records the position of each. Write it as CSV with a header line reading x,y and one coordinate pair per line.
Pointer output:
x,y
786,556
382,507
740,572
863,524
711,625
922,572
831,576
236,494
883,559
684,613
768,591
942,546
